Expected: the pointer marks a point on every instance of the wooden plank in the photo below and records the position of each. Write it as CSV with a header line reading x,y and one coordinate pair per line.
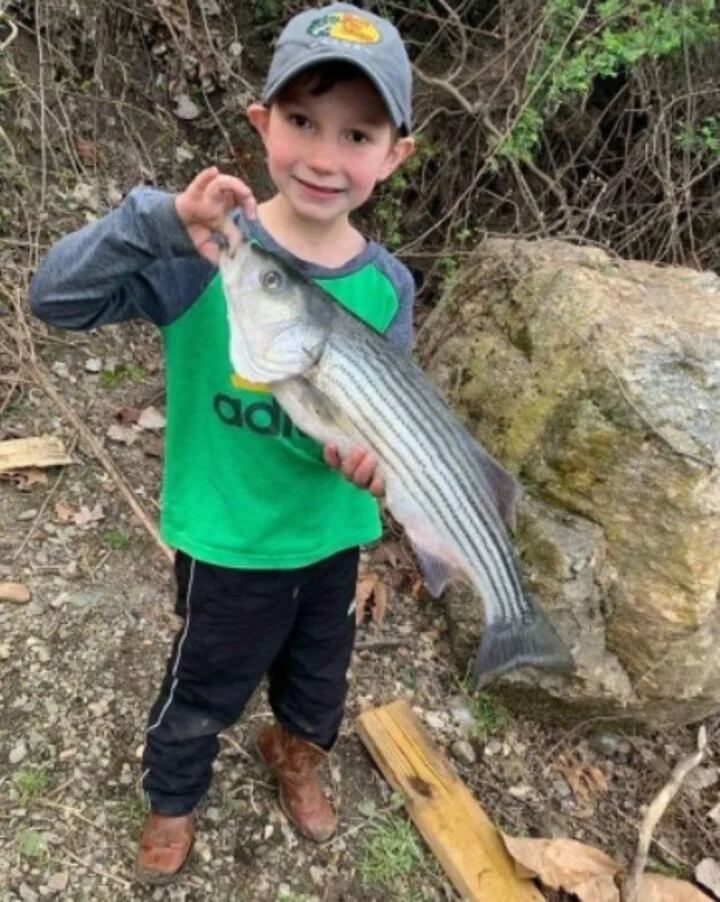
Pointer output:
x,y
453,824
39,451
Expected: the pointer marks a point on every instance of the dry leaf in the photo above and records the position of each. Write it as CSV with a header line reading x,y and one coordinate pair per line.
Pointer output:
x,y
27,478
88,151
63,511
708,873
17,593
151,418
567,864
370,599
124,434
656,888
85,516
127,415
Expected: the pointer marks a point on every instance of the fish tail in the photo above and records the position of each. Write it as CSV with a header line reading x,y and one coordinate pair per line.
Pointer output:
x,y
530,642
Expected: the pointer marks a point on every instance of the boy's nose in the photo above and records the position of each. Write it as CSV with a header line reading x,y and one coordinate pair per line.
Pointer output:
x,y
321,159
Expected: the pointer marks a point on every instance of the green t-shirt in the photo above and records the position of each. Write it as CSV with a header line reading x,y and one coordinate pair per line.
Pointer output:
x,y
242,486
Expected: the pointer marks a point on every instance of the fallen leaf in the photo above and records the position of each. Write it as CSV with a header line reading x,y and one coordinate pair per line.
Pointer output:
x,y
656,888
566,864
27,478
153,445
85,516
127,415
124,434
17,593
88,151
708,873
63,511
370,599
151,418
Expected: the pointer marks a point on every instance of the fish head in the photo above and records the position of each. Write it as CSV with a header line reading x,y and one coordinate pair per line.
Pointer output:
x,y
278,328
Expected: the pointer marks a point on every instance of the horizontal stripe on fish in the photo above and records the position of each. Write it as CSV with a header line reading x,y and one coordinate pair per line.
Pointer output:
x,y
468,490
403,454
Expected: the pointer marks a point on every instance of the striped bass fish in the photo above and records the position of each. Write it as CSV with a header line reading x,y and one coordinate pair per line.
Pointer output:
x,y
342,382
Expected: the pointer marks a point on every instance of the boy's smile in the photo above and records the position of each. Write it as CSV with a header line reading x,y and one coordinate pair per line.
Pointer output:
x,y
326,152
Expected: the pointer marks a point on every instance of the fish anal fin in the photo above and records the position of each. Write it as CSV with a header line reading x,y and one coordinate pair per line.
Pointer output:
x,y
437,566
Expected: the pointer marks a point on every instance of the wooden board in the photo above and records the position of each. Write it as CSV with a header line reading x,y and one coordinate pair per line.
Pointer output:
x,y
40,451
462,837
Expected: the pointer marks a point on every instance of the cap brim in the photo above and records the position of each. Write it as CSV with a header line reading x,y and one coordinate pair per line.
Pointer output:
x,y
333,56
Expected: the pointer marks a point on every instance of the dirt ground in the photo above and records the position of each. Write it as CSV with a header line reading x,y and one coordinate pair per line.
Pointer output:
x,y
81,661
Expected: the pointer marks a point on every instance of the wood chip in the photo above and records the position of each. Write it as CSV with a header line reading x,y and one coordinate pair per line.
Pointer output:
x,y
17,593
40,451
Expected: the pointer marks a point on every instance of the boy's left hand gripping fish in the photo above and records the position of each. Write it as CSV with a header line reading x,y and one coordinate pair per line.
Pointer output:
x,y
342,382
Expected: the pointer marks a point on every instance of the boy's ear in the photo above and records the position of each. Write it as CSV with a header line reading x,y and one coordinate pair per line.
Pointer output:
x,y
259,116
398,153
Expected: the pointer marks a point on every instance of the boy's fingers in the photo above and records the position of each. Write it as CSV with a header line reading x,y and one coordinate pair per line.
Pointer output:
x,y
332,458
350,462
377,486
202,180
233,192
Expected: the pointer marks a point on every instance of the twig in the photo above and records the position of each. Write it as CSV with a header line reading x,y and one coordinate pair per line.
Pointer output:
x,y
373,644
655,811
126,884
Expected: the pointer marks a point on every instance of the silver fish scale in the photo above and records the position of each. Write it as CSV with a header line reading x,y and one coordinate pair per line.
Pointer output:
x,y
399,413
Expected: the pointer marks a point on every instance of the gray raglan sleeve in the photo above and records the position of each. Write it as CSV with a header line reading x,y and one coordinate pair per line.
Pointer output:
x,y
136,262
400,330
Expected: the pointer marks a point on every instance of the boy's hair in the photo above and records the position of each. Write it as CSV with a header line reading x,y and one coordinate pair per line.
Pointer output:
x,y
342,33
320,78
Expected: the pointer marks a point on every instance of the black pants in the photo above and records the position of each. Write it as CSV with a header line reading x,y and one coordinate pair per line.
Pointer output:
x,y
298,626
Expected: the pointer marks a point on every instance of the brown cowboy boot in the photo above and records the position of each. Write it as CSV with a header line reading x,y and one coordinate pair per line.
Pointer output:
x,y
294,762
165,847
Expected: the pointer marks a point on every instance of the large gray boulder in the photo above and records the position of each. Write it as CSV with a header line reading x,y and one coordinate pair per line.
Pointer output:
x,y
597,381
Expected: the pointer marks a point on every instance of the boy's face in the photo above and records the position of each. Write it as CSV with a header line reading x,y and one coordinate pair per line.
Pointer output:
x,y
326,153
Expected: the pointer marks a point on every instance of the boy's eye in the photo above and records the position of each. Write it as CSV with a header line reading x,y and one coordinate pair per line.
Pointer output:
x,y
298,120
357,137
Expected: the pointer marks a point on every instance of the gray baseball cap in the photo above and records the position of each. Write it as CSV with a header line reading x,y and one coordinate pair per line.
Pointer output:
x,y
344,32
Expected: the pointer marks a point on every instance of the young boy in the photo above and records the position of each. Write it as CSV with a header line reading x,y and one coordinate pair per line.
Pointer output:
x,y
265,526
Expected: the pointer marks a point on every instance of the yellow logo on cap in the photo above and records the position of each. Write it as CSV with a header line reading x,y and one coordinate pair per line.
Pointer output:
x,y
345,27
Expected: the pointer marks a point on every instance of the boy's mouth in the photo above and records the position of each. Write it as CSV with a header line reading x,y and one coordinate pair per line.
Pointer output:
x,y
323,190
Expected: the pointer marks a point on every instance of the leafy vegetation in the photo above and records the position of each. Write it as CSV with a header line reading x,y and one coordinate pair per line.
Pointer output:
x,y
579,44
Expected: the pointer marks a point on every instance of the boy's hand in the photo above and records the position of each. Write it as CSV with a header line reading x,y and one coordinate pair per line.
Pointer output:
x,y
359,466
204,205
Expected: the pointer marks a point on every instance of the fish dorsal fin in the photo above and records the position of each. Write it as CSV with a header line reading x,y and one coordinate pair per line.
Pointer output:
x,y
505,489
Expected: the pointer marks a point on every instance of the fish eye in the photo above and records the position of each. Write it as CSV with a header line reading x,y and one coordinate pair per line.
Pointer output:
x,y
272,280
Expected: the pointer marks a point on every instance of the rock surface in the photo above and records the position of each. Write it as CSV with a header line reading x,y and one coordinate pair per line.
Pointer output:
x,y
598,383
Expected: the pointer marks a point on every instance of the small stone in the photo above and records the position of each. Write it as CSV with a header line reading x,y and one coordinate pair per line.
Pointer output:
x,y
561,788
212,814
93,365
4,651
17,752
29,514
268,831
492,747
463,751
58,882
27,894
605,743
714,813
317,875
521,791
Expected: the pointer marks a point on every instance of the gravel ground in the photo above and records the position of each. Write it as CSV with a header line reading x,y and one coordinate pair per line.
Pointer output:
x,y
81,661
